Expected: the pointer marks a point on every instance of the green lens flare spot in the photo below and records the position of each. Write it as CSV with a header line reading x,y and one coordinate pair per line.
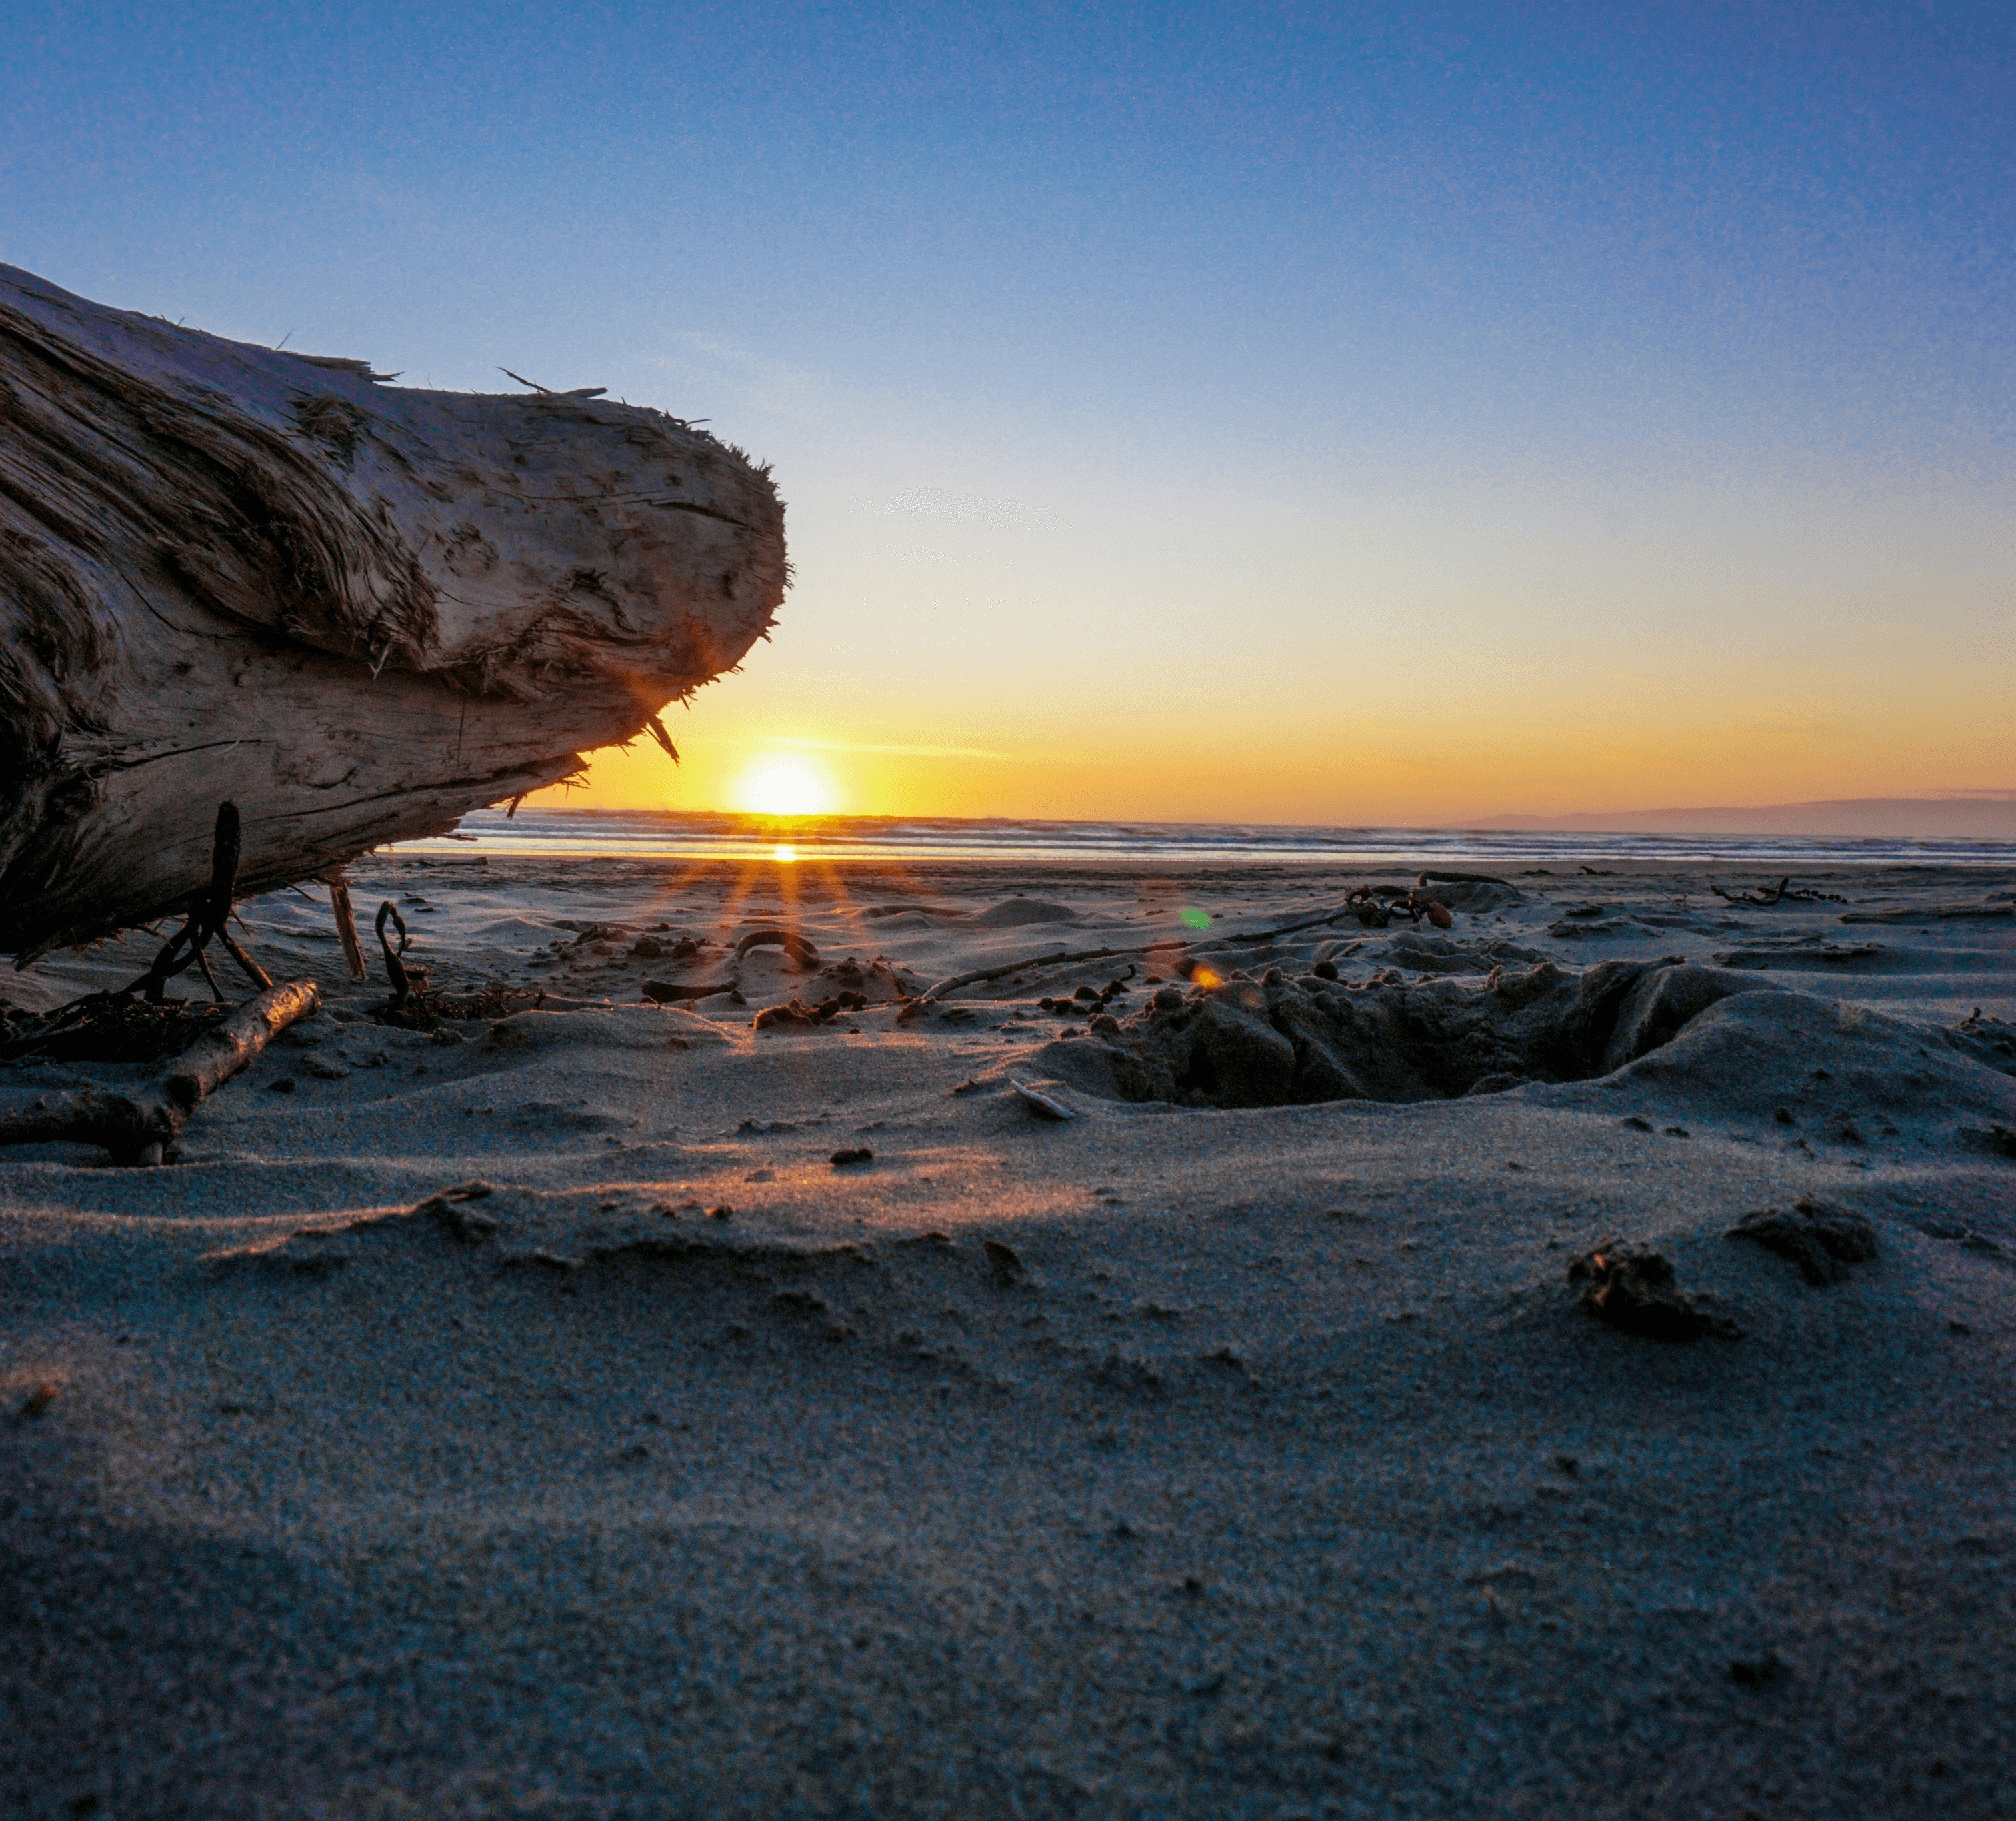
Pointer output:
x,y
1193,919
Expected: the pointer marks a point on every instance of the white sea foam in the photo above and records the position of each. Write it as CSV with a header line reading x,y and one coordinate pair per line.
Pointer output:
x,y
617,832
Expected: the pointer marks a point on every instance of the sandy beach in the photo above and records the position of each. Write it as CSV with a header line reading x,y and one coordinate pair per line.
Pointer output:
x,y
528,1417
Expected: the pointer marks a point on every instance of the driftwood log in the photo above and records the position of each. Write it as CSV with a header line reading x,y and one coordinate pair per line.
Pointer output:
x,y
356,610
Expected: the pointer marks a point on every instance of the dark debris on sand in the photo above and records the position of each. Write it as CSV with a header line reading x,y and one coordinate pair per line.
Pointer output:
x,y
1822,1240
415,1004
1633,1289
794,1015
106,1027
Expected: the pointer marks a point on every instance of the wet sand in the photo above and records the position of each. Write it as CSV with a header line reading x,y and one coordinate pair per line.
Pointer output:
x,y
1175,1458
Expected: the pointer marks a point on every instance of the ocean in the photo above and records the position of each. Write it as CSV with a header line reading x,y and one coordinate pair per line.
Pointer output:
x,y
639,833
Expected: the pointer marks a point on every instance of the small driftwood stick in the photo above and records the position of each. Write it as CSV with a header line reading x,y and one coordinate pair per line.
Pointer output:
x,y
346,923
1783,892
134,1127
1767,896
931,994
1242,936
1037,1101
248,967
220,1053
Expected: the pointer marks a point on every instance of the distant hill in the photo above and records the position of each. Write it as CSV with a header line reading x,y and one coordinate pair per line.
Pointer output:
x,y
1961,816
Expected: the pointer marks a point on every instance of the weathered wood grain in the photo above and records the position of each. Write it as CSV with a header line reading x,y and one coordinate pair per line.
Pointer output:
x,y
357,610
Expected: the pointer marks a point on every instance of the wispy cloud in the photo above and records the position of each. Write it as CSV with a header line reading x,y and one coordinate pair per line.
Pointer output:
x,y
899,752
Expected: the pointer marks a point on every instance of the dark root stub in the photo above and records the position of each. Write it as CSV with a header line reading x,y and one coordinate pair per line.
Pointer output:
x,y
799,950
415,1005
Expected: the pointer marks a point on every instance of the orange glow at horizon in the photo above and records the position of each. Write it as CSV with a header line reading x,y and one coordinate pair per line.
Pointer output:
x,y
1393,762
1402,667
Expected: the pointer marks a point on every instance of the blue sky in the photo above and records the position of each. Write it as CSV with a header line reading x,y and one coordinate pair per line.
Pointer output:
x,y
1631,388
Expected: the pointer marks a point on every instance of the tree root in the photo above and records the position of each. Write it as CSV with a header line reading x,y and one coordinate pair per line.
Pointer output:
x,y
795,1015
113,1026
207,917
416,1006
1375,911
108,1027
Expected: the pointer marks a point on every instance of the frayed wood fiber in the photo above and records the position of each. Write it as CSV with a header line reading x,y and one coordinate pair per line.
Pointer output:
x,y
357,611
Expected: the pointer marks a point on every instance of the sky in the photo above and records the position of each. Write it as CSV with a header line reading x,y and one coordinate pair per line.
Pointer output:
x,y
1287,413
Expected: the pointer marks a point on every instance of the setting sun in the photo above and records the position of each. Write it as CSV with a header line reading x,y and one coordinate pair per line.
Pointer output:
x,y
784,785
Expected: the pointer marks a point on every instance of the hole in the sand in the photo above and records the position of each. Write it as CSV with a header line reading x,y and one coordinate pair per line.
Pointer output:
x,y
1274,1041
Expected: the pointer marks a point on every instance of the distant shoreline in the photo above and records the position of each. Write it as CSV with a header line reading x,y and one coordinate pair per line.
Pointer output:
x,y
1962,816
701,835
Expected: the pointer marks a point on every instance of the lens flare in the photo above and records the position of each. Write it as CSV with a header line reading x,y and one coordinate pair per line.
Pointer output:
x,y
1193,918
1203,976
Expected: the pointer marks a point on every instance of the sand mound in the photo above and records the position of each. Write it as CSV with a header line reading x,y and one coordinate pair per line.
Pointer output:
x,y
559,1231
1809,953
1474,894
1162,1459
511,929
1011,913
711,1276
626,1027
1837,1070
1822,1239
1579,927
880,913
1987,1040
876,982
1422,951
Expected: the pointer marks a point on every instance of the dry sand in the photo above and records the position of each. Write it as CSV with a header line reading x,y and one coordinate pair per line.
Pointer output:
x,y
1272,1470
